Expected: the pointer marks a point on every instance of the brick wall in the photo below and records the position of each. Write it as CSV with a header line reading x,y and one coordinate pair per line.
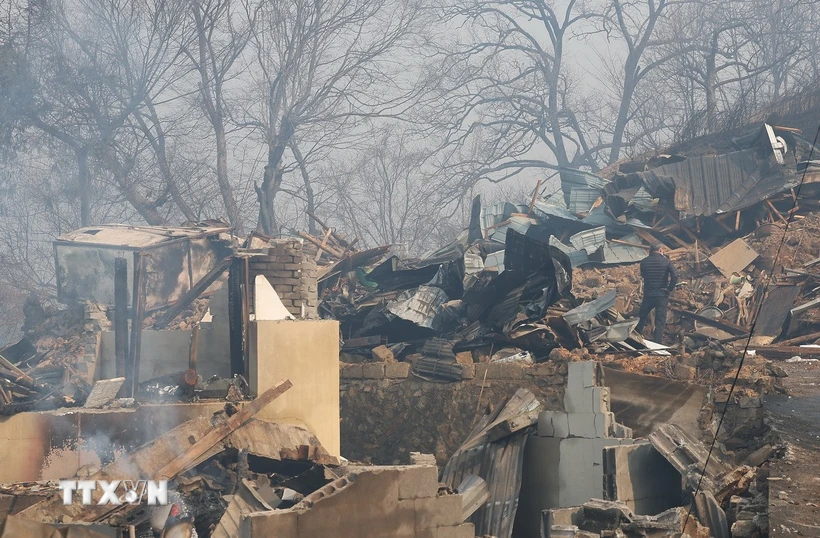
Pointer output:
x,y
292,273
374,502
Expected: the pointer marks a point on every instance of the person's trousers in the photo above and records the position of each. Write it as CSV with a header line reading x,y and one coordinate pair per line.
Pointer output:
x,y
658,304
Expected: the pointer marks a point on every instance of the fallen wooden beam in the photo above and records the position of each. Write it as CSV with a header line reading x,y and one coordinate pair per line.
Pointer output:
x,y
787,351
627,243
723,325
195,451
326,248
192,294
15,369
800,339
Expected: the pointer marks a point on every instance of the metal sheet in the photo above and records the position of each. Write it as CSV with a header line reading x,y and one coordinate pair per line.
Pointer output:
x,y
420,306
712,184
775,310
517,223
495,261
590,309
581,189
589,240
499,463
496,214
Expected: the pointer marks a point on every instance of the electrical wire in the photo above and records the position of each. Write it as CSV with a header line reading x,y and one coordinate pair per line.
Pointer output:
x,y
752,327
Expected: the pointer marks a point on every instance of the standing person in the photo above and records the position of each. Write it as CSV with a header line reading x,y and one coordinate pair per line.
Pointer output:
x,y
659,279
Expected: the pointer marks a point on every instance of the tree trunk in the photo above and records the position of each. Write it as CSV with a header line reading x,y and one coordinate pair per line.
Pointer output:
x,y
555,123
711,86
630,82
222,172
83,185
272,178
311,203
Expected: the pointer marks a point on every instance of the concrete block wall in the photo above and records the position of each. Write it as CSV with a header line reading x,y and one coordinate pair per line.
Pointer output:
x,y
384,501
292,273
564,462
639,476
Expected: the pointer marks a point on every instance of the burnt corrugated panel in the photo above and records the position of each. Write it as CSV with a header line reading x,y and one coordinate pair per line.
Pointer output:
x,y
581,189
714,184
499,463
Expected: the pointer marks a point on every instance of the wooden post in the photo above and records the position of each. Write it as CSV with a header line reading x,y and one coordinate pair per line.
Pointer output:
x,y
737,221
121,315
193,351
319,250
235,316
534,197
132,371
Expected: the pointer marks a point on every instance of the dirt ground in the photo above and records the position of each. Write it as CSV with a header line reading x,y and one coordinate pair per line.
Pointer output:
x,y
794,483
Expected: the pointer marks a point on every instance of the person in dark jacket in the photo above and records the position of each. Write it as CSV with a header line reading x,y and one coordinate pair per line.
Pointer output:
x,y
659,279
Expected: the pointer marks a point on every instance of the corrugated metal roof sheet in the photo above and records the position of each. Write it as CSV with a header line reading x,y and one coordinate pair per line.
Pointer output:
x,y
581,189
135,237
590,309
516,222
499,463
546,210
495,261
589,240
496,214
713,184
420,306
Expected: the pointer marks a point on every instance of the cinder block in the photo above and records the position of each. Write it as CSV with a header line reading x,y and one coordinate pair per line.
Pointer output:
x,y
350,371
279,523
293,266
373,371
579,399
581,374
583,425
553,424
467,371
418,482
600,400
397,370
465,530
442,511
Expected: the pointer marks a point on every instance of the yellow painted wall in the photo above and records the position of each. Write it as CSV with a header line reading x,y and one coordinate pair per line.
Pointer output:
x,y
307,353
44,445
24,443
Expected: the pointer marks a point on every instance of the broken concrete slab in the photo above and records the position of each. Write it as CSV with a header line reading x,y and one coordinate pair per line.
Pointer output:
x,y
104,392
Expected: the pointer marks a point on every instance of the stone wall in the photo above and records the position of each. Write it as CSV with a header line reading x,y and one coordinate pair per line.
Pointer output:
x,y
387,412
292,273
388,502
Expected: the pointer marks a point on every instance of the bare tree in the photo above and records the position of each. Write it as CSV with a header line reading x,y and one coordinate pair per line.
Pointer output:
x,y
316,63
394,193
221,37
507,90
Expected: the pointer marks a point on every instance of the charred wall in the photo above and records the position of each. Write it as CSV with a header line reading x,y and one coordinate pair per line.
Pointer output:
x,y
387,412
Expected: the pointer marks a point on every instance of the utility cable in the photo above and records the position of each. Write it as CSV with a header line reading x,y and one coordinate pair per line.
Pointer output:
x,y
753,325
